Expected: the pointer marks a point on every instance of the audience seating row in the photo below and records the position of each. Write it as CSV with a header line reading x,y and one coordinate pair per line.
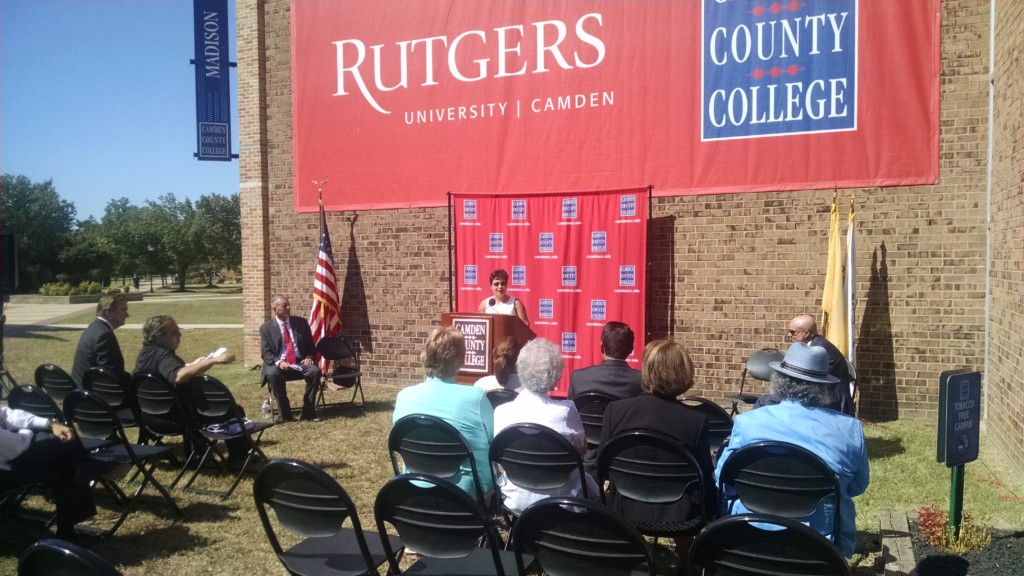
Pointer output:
x,y
452,533
200,411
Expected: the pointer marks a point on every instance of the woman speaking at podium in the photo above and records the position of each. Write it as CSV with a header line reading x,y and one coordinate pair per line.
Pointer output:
x,y
501,302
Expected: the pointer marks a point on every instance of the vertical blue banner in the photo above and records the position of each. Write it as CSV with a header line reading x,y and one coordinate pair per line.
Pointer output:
x,y
213,82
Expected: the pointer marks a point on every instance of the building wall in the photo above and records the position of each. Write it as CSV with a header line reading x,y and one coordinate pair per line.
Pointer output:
x,y
1004,390
725,271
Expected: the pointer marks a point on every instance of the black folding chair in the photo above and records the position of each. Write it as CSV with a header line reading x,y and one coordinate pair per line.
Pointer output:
x,y
591,408
657,472
441,523
94,418
308,502
53,557
759,544
781,479
718,419
161,414
57,383
213,409
500,396
429,445
114,391
35,400
536,458
574,536
757,368
343,371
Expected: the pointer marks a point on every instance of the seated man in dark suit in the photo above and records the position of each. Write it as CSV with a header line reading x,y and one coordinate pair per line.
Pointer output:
x,y
612,376
98,345
286,345
803,328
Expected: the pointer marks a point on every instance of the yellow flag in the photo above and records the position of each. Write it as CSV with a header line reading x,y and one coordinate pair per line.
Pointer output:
x,y
833,297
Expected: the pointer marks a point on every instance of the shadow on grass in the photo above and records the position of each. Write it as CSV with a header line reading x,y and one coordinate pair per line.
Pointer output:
x,y
208,511
884,447
335,466
132,549
357,410
34,332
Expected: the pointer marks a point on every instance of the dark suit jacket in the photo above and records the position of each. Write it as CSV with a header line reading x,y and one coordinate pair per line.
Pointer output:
x,y
669,417
613,377
98,347
271,343
836,361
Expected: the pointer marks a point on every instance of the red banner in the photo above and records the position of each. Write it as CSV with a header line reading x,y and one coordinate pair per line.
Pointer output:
x,y
575,260
397,102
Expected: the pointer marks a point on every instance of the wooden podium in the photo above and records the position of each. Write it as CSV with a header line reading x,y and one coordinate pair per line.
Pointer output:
x,y
482,333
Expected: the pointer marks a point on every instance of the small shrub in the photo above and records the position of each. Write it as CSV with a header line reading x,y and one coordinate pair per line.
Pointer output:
x,y
55,289
933,523
90,287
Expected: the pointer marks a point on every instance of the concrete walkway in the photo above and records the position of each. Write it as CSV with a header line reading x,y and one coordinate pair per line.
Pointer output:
x,y
20,316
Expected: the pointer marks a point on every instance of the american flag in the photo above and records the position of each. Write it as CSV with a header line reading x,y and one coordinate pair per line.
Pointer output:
x,y
325,317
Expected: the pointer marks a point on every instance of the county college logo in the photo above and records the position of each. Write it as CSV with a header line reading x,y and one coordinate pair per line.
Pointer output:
x,y
469,274
627,205
469,209
778,68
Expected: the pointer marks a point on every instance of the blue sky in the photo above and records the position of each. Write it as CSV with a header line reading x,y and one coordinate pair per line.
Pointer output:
x,y
99,97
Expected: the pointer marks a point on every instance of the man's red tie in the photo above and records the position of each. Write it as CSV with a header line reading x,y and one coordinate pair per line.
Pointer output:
x,y
289,347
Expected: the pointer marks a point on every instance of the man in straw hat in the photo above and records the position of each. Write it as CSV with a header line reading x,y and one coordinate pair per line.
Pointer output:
x,y
804,386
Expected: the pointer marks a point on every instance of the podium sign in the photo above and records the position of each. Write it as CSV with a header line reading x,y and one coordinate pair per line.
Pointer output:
x,y
482,333
959,417
478,353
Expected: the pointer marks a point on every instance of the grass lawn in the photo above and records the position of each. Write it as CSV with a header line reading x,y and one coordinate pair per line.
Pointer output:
x,y
226,537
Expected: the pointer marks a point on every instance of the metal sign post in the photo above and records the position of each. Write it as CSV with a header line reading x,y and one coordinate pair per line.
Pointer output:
x,y
958,433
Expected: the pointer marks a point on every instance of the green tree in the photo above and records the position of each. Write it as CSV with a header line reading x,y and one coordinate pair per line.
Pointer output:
x,y
87,254
204,236
41,223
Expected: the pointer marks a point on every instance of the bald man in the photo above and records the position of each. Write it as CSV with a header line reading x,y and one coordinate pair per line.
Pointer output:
x,y
803,328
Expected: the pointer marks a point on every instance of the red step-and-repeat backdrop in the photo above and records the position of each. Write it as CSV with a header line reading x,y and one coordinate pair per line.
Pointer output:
x,y
576,260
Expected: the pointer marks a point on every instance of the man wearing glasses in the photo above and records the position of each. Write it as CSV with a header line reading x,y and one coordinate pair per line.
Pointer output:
x,y
802,328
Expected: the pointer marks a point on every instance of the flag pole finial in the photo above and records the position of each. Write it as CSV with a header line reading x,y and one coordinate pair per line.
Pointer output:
x,y
320,189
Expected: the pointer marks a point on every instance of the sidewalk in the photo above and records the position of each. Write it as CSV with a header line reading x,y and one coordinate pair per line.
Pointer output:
x,y
21,316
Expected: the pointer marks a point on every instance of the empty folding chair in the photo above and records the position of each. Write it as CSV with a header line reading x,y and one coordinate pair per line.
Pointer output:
x,y
759,544
575,536
443,524
308,502
343,371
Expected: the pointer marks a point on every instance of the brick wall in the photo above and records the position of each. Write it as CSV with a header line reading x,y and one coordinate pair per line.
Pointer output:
x,y
726,271
1004,391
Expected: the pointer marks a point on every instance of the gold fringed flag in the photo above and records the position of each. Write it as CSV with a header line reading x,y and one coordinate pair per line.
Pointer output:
x,y
833,297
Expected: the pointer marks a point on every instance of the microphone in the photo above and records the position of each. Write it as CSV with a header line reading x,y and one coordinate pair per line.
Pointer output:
x,y
491,302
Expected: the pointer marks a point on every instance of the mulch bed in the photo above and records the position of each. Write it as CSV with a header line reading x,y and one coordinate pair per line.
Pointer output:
x,y
1004,556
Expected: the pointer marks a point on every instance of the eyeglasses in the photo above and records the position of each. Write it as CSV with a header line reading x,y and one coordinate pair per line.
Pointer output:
x,y
499,283
793,332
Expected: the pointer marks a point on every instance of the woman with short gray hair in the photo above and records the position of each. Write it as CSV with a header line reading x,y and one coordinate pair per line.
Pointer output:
x,y
540,365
